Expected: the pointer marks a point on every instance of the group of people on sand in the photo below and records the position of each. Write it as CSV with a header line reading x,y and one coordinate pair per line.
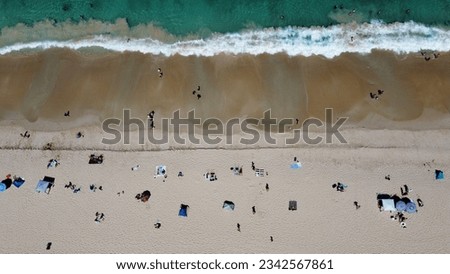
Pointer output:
x,y
73,187
99,217
197,92
26,134
427,56
376,95
151,118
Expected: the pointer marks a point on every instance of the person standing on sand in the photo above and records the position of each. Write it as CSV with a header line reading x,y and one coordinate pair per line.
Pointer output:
x,y
253,209
267,187
238,227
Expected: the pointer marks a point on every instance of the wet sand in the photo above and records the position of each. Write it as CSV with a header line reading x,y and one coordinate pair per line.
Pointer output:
x,y
39,87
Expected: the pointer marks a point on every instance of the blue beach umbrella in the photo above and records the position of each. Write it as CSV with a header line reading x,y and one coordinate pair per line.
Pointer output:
x,y
411,207
400,206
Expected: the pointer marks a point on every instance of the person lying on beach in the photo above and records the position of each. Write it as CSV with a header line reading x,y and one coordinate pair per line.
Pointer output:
x,y
99,217
340,187
419,202
92,187
405,191
157,225
67,114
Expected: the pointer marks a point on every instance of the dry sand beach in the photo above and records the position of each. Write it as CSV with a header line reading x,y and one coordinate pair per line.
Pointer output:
x,y
403,134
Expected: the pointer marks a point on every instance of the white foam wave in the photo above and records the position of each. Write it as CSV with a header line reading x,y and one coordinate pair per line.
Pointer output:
x,y
331,41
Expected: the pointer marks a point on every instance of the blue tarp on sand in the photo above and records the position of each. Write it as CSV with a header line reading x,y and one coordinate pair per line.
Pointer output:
x,y
42,186
439,174
183,210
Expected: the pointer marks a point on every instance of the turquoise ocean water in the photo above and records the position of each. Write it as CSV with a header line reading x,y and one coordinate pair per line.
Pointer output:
x,y
204,19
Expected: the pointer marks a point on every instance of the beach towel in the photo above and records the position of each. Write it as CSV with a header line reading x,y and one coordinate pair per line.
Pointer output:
x,y
18,182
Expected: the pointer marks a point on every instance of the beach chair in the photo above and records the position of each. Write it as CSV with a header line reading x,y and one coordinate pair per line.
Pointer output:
x,y
259,172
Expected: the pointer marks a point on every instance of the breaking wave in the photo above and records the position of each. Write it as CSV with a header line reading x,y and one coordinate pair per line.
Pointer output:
x,y
401,38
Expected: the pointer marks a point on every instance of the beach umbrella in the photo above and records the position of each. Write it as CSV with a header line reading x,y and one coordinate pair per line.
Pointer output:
x,y
400,206
228,205
296,165
411,207
2,187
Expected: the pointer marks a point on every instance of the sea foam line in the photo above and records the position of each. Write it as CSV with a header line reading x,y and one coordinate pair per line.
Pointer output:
x,y
331,41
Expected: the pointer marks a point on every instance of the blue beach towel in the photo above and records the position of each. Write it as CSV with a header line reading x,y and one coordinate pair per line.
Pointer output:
x,y
42,186
18,182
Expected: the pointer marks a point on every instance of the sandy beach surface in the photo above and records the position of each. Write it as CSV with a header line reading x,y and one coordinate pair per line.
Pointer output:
x,y
403,134
326,220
